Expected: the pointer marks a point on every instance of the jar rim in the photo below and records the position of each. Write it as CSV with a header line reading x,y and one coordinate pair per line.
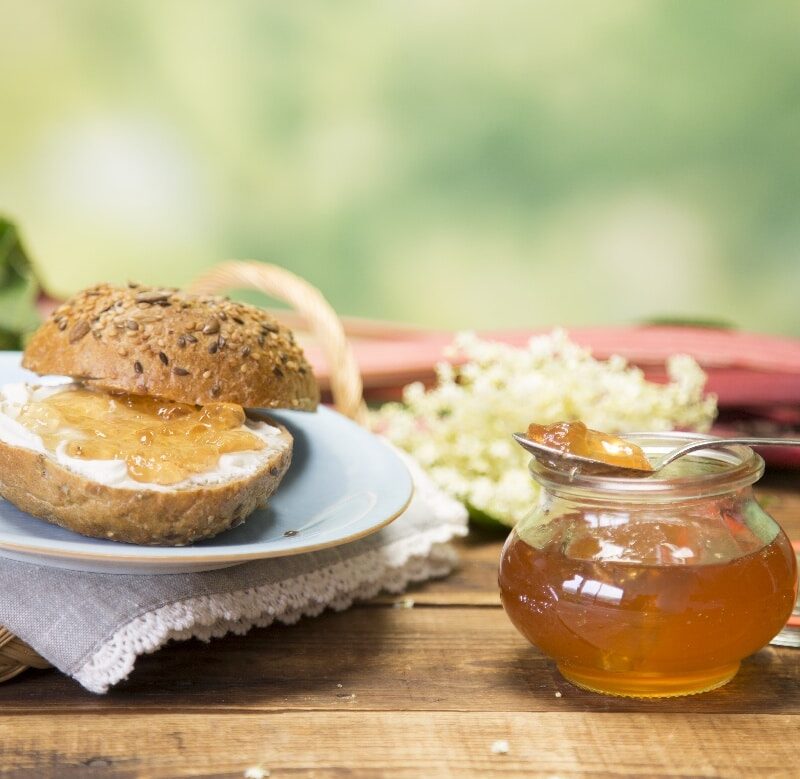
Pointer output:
x,y
738,466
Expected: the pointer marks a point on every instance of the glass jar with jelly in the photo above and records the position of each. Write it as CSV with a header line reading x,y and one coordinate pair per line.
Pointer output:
x,y
651,586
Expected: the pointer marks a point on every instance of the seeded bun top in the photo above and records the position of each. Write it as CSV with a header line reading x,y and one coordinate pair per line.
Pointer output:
x,y
169,344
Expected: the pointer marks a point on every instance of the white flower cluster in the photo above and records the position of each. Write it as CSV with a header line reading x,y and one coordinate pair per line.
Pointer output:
x,y
460,430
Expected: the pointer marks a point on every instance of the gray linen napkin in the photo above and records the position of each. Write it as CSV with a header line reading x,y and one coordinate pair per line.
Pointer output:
x,y
94,626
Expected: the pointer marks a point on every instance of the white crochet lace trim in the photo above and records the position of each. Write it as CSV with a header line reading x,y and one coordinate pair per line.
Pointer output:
x,y
392,567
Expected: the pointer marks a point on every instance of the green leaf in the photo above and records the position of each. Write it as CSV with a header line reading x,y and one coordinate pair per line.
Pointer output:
x,y
19,288
486,522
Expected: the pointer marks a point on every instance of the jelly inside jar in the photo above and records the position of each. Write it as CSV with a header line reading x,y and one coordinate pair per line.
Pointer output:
x,y
655,606
161,442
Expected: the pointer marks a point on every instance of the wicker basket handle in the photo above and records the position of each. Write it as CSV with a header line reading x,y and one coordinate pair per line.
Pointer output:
x,y
346,386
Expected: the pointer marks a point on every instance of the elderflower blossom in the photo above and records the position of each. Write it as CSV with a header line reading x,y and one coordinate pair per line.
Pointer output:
x,y
460,431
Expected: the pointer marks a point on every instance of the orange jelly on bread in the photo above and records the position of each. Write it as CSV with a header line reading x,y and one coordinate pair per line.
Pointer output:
x,y
161,442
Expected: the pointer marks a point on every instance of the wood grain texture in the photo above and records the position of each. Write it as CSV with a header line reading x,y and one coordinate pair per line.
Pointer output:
x,y
425,691
399,745
420,659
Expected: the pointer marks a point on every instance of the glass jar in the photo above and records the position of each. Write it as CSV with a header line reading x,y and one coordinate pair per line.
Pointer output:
x,y
654,586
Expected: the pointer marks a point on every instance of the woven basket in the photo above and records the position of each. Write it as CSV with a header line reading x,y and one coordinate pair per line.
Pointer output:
x,y
320,320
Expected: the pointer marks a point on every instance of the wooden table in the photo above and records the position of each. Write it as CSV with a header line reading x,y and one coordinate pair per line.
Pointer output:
x,y
387,689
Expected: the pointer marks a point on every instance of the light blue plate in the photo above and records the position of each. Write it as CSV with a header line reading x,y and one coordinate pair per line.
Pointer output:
x,y
344,483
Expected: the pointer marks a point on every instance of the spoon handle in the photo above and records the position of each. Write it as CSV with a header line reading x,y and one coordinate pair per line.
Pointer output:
x,y
715,443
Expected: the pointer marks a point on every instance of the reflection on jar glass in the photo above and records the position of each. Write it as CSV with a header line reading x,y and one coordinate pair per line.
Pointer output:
x,y
650,586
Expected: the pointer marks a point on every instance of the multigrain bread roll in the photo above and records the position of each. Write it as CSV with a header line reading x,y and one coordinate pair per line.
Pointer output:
x,y
166,343
149,443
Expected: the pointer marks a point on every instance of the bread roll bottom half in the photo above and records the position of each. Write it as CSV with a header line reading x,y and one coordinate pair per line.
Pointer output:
x,y
98,498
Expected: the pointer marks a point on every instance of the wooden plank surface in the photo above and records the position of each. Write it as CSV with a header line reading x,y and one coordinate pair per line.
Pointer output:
x,y
420,659
400,745
429,680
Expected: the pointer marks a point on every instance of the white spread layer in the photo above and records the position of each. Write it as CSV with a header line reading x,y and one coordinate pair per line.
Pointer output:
x,y
114,473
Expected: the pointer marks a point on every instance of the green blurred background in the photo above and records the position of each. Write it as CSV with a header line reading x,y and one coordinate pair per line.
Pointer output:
x,y
460,164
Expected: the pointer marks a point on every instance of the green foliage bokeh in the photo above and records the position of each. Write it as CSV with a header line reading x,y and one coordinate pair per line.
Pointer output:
x,y
454,164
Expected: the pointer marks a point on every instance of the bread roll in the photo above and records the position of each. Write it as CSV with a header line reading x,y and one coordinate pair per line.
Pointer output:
x,y
37,483
174,346
170,344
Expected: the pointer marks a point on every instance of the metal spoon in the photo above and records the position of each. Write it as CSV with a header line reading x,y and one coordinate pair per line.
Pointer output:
x,y
568,462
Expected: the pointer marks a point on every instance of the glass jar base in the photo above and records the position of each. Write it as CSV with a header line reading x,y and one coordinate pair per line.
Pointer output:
x,y
648,685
